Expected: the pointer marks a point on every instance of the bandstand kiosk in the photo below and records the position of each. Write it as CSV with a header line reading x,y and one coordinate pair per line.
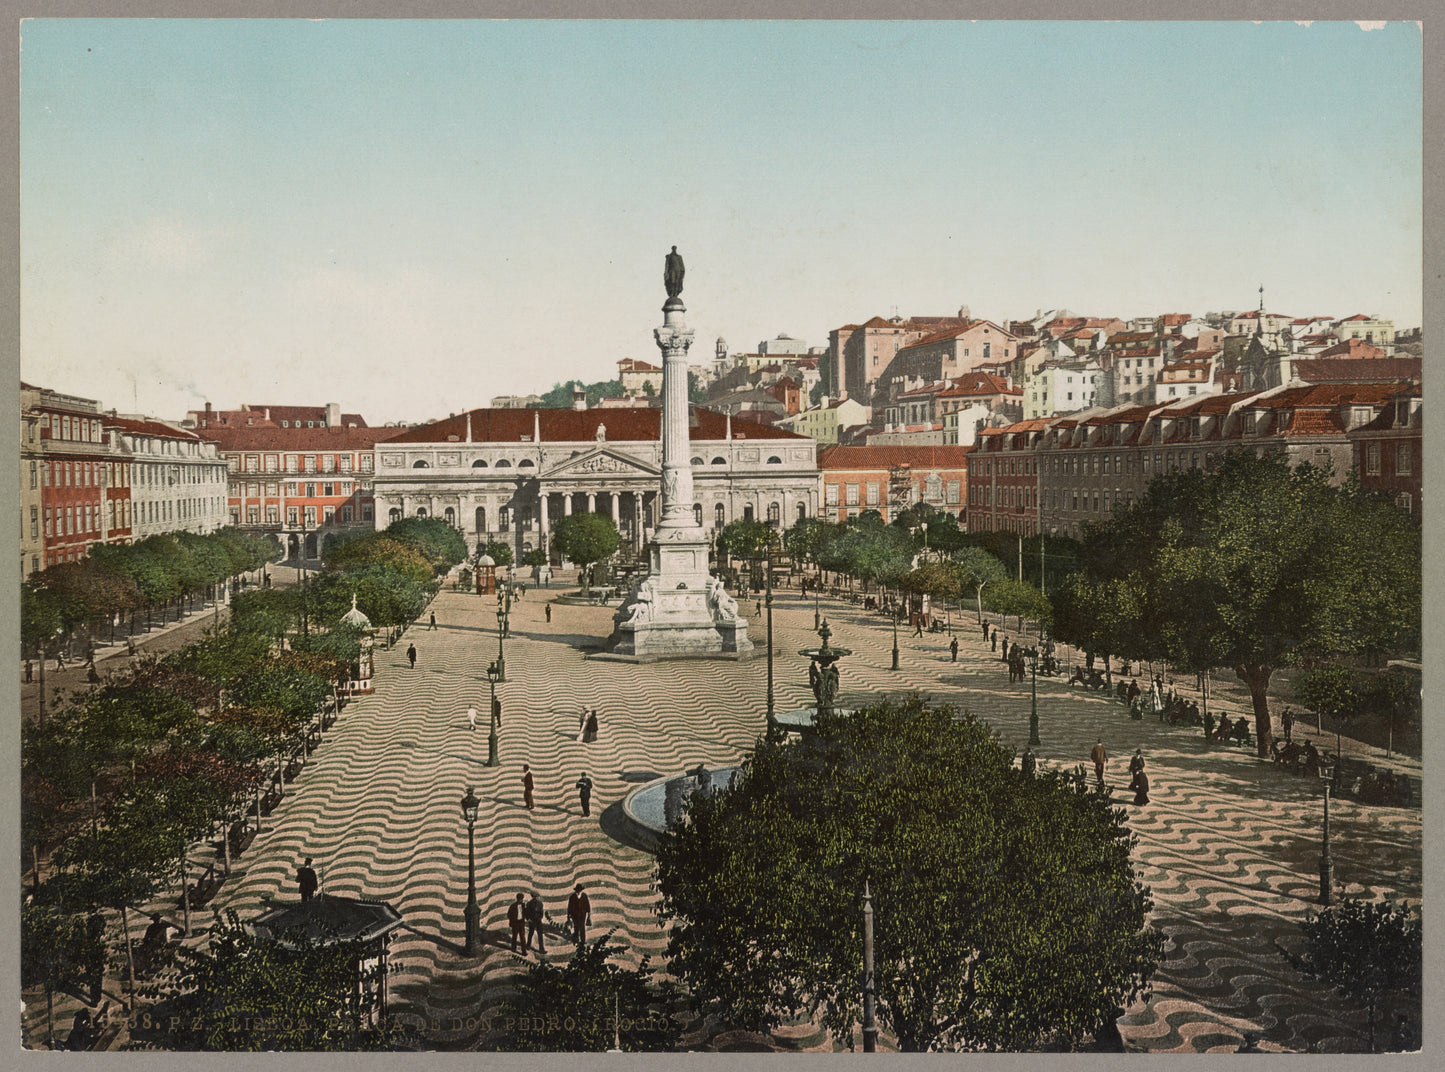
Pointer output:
x,y
359,681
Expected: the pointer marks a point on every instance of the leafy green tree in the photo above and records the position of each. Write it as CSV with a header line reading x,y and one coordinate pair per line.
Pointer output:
x,y
805,539
935,579
378,549
978,569
1256,565
59,950
270,612
588,1004
1368,951
42,612
432,538
534,557
1008,914
585,539
696,394
289,992
501,553
1022,599
744,538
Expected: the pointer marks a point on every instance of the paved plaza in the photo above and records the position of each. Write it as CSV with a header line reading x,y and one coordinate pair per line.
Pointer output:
x,y
1229,844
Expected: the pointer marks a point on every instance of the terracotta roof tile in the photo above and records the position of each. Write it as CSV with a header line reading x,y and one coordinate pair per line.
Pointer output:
x,y
151,428
924,457
576,426
283,439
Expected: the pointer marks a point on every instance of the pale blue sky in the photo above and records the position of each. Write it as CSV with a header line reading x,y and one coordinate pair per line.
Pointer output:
x,y
409,217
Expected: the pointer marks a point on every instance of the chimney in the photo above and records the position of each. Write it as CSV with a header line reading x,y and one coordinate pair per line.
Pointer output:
x,y
208,409
333,415
266,413
579,397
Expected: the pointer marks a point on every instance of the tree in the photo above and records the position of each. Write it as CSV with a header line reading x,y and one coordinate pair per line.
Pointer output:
x,y
534,557
588,1004
432,538
978,568
744,538
1365,950
499,552
1256,565
1008,914
805,539
377,549
1020,598
585,539
288,992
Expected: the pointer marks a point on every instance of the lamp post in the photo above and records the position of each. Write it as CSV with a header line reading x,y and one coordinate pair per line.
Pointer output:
x,y
493,676
1034,697
817,601
473,912
504,609
1327,866
895,639
870,999
768,565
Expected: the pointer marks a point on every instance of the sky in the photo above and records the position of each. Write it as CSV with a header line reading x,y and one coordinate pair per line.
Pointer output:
x,y
410,217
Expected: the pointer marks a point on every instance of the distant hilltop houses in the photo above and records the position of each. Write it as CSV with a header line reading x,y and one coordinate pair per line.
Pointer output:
x,y
1020,425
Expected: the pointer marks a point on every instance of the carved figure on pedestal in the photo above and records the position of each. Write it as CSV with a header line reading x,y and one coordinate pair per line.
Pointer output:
x,y
723,606
672,273
641,608
825,685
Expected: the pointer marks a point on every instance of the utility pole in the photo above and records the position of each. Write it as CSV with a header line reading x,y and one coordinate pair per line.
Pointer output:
x,y
870,1025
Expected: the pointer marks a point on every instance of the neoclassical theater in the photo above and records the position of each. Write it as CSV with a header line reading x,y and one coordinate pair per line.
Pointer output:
x,y
509,474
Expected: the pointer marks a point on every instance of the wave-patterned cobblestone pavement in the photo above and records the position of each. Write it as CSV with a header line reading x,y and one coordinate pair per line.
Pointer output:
x,y
1229,845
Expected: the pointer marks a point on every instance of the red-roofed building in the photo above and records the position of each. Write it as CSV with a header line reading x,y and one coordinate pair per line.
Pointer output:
x,y
943,355
1389,450
633,374
1333,370
1371,329
502,474
890,479
1003,483
859,353
305,483
177,478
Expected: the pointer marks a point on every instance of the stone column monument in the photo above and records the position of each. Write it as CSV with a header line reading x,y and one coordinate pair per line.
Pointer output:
x,y
677,609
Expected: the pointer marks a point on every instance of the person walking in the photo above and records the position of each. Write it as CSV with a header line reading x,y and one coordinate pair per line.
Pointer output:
x,y
579,914
527,786
993,640
584,794
306,881
535,914
953,649
1139,782
433,624
547,610
516,920
472,717
411,655
1100,757
1286,719
918,626
1004,656
29,672
985,630
589,728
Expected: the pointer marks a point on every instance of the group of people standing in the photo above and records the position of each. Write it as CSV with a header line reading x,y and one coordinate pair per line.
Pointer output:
x,y
527,919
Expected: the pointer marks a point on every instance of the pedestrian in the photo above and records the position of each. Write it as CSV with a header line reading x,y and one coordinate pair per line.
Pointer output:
x,y
985,630
516,920
306,880
411,655
92,675
1004,656
59,660
29,672
156,937
433,624
1136,761
1100,757
584,793
130,647
1208,726
1029,763
953,649
472,717
1140,785
547,610
579,913
527,786
993,640
760,608
535,915
582,724
918,626
1133,692
1286,719
589,730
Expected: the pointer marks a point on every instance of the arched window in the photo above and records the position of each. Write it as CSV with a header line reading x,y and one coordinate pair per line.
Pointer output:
x,y
480,463
802,511
502,463
393,514
775,513
525,463
775,460
421,511
451,516
481,519
748,512
420,465
697,461
697,514
721,516
719,461
504,517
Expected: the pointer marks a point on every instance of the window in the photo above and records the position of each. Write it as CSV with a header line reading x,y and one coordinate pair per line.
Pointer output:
x,y
1404,461
330,512
366,463
308,463
830,494
328,489
872,493
1404,501
271,463
1372,459
253,515
422,464
48,522
344,461
394,514
271,488
719,461
310,515
775,513
311,491
34,473
775,460
502,463
34,522
291,463
328,463
273,515
252,463
346,514
504,518
366,512
850,497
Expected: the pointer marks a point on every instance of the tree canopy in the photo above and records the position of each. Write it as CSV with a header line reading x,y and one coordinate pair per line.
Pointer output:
x,y
585,538
1008,914
1256,565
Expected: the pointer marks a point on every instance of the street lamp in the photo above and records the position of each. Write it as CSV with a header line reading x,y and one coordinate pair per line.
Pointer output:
x,y
504,609
1034,697
768,565
870,997
895,638
1327,866
493,676
473,912
817,601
